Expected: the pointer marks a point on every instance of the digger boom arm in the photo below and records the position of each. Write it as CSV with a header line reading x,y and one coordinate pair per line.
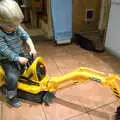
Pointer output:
x,y
82,75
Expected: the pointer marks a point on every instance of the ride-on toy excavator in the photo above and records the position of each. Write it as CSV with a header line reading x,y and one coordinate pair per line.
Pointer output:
x,y
35,85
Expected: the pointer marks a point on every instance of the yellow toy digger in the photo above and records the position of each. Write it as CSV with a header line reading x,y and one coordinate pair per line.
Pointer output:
x,y
35,85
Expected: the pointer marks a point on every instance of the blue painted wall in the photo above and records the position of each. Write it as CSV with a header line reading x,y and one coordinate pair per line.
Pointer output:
x,y
62,19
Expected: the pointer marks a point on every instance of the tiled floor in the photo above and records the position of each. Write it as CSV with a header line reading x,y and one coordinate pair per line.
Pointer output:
x,y
88,101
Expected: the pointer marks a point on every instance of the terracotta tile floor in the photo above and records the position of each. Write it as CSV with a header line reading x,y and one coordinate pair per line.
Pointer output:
x,y
88,101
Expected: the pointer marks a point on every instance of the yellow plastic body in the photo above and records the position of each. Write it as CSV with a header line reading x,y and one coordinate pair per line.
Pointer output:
x,y
52,84
2,76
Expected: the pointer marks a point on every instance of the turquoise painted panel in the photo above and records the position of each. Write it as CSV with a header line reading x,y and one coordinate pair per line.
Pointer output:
x,y
62,19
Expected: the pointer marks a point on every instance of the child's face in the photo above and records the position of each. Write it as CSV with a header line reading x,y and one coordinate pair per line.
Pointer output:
x,y
10,28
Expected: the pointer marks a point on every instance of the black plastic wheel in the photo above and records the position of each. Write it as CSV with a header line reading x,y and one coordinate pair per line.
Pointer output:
x,y
117,115
43,97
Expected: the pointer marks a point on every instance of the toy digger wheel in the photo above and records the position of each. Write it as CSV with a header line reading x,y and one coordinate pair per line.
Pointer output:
x,y
117,115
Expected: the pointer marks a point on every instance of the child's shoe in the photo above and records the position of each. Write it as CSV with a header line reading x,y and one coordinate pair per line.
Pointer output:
x,y
15,102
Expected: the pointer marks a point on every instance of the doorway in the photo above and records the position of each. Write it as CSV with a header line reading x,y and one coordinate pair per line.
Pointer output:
x,y
35,16
90,19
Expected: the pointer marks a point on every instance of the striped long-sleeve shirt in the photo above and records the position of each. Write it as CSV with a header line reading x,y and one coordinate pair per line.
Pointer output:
x,y
11,44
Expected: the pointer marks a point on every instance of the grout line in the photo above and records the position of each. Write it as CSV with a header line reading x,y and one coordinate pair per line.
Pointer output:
x,y
44,112
101,106
57,65
1,111
90,116
88,112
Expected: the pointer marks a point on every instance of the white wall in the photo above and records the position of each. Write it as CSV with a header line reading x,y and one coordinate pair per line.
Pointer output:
x,y
113,33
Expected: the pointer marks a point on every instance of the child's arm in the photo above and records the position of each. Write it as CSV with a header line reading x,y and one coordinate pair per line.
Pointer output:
x,y
24,35
4,50
32,48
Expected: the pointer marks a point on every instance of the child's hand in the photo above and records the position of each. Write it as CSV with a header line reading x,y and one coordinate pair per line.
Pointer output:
x,y
34,53
23,60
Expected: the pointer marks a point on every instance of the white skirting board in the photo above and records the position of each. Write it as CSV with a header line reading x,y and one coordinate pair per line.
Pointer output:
x,y
63,42
113,52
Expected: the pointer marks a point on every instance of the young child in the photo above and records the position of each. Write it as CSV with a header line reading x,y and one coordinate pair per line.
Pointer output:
x,y
11,50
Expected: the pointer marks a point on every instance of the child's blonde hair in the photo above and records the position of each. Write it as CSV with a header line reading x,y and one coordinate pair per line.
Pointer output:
x,y
10,12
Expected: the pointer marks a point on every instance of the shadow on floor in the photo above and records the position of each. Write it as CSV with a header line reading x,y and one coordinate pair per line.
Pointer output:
x,y
83,109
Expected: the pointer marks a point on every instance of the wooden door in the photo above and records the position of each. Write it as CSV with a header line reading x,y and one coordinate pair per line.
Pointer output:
x,y
86,15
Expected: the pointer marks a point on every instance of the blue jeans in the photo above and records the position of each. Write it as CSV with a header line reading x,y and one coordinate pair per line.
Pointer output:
x,y
12,73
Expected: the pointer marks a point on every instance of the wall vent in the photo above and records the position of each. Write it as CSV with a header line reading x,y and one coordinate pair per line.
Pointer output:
x,y
89,16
